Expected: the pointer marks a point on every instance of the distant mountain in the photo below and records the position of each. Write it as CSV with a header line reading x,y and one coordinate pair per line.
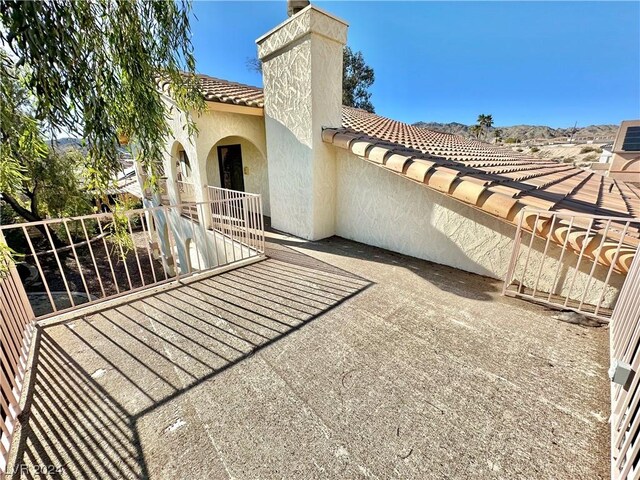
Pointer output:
x,y
68,143
529,132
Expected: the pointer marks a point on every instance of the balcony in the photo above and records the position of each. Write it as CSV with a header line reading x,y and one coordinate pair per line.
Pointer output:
x,y
326,359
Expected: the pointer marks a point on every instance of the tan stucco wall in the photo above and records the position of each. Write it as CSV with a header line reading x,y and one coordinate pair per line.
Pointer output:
x,y
302,76
380,208
256,177
216,128
625,166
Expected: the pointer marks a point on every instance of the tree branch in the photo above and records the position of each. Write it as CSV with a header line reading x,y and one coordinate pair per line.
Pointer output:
x,y
31,217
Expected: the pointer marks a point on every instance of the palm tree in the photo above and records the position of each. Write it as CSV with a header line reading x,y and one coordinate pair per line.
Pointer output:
x,y
476,130
485,122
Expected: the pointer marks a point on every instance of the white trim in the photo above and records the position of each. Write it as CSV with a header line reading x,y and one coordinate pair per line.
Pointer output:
x,y
233,108
290,19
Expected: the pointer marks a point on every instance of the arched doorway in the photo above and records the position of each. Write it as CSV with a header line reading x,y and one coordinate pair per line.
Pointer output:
x,y
236,163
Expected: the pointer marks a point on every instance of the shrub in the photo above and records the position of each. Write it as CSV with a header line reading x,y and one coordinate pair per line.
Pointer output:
x,y
510,140
589,149
534,149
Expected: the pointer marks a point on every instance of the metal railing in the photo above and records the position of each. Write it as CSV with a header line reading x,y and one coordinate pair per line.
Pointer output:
x,y
237,215
625,392
187,196
156,245
571,261
16,333
79,261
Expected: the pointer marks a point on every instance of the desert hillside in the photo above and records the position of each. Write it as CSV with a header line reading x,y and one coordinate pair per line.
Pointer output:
x,y
602,133
580,154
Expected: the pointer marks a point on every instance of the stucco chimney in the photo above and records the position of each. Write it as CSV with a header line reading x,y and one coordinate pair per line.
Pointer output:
x,y
302,77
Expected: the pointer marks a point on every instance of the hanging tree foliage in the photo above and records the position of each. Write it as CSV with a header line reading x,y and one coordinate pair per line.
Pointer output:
x,y
357,78
90,68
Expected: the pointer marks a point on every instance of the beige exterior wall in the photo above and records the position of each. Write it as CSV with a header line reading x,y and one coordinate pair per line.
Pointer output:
x,y
302,76
380,208
218,128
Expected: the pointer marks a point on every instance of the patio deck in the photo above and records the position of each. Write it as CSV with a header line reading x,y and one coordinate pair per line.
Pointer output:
x,y
329,359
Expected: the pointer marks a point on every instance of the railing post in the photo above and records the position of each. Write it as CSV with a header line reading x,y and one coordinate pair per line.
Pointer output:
x,y
625,399
514,255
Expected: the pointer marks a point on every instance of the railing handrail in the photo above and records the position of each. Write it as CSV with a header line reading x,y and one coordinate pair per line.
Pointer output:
x,y
624,242
624,344
17,319
542,212
94,216
244,228
236,192
602,241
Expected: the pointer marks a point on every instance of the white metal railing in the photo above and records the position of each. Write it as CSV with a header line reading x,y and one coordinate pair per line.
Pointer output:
x,y
160,244
157,245
237,215
625,391
571,261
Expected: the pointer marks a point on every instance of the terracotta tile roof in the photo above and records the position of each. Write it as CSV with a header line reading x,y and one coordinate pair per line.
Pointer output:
x,y
224,91
496,180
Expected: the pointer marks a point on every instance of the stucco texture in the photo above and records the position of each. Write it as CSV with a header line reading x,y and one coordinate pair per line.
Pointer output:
x,y
302,73
217,128
380,208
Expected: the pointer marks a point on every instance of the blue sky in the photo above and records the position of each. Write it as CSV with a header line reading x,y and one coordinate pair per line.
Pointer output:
x,y
524,63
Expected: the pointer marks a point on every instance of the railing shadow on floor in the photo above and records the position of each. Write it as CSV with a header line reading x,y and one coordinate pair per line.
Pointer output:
x,y
154,349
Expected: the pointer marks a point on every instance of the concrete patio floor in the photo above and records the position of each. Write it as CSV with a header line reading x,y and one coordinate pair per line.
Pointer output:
x,y
329,359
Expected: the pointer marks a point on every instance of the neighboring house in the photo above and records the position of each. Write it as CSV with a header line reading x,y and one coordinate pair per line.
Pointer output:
x,y
323,169
603,164
607,153
625,163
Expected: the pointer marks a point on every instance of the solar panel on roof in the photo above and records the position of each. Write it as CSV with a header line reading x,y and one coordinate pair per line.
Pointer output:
x,y
631,141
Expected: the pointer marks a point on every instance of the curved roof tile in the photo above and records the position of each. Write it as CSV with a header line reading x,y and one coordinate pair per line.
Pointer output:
x,y
497,180
224,91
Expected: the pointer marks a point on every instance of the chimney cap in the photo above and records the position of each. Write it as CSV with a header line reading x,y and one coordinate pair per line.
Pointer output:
x,y
294,6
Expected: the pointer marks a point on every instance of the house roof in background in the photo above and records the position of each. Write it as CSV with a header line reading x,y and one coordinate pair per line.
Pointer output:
x,y
224,91
494,179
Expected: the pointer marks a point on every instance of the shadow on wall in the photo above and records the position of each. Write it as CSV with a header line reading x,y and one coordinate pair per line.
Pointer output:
x,y
102,383
378,207
381,208
448,279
